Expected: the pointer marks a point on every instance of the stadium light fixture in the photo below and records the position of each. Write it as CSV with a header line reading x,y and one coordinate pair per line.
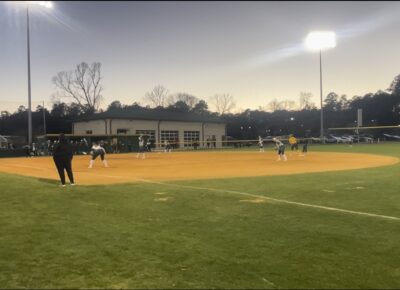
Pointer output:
x,y
318,41
47,4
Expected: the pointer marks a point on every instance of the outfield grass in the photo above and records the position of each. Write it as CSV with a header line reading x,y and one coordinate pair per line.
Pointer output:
x,y
171,236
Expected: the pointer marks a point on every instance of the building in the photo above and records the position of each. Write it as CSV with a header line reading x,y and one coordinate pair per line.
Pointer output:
x,y
182,129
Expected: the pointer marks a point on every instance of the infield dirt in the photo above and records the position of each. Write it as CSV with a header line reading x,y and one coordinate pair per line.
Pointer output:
x,y
126,168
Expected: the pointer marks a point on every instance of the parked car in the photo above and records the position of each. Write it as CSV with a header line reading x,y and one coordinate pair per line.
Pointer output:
x,y
337,139
365,138
391,137
327,139
349,138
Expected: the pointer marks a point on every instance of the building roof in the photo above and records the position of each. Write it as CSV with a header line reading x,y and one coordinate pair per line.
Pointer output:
x,y
152,116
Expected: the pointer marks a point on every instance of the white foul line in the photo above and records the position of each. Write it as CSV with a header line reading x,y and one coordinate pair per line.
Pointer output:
x,y
262,197
274,199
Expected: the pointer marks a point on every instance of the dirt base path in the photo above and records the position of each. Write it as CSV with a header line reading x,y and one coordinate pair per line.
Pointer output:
x,y
125,168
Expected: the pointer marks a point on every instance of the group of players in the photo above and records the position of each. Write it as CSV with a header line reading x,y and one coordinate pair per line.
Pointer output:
x,y
97,150
280,147
63,154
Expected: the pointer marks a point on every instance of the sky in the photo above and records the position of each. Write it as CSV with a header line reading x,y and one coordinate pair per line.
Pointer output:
x,y
251,50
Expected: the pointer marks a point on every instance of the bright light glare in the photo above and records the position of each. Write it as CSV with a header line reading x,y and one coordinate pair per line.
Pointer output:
x,y
46,4
319,40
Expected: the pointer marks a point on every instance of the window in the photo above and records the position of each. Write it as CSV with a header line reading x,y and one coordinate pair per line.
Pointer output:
x,y
122,131
189,137
150,133
171,136
89,132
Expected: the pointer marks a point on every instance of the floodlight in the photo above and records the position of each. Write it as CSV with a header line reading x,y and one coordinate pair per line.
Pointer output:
x,y
46,4
319,40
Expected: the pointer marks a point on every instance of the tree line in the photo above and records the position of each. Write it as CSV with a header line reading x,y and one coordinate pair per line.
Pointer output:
x,y
83,87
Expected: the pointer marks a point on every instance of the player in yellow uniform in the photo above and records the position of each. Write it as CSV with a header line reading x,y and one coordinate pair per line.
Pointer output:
x,y
293,143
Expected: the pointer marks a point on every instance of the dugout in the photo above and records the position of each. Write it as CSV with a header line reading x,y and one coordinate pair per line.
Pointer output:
x,y
13,146
83,143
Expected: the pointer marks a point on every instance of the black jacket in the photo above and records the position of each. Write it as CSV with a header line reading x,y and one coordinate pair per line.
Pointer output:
x,y
63,150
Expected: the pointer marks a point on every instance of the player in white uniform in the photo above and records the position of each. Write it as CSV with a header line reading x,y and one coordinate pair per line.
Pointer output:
x,y
281,149
167,146
261,143
141,148
96,151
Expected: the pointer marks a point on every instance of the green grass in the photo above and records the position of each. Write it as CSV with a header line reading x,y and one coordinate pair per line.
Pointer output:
x,y
121,236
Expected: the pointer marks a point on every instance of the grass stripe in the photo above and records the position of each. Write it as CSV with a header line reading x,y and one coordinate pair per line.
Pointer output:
x,y
273,199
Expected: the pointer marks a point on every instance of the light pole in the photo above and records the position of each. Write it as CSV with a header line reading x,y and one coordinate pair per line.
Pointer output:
x,y
46,4
319,41
44,120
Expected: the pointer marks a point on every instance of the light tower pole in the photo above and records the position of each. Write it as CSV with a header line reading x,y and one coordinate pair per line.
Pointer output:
x,y
319,41
29,79
320,89
46,4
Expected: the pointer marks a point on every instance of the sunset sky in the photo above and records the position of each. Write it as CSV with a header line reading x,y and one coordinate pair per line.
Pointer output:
x,y
251,50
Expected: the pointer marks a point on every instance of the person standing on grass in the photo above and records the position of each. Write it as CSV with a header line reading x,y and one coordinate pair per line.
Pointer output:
x,y
281,149
62,156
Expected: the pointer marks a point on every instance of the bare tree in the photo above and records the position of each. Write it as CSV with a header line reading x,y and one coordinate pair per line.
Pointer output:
x,y
158,97
288,105
305,102
274,105
82,85
223,103
186,98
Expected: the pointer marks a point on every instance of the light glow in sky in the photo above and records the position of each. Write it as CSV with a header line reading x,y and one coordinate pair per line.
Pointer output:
x,y
320,40
47,4
251,50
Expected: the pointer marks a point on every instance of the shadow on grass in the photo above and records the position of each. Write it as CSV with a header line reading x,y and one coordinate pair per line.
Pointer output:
x,y
49,181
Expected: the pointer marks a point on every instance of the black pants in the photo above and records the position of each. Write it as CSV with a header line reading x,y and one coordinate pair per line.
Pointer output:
x,y
64,164
95,155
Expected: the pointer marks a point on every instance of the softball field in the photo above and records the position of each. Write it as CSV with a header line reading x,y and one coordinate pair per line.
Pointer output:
x,y
126,168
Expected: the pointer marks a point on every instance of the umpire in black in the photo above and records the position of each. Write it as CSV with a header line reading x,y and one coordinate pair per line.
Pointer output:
x,y
62,156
